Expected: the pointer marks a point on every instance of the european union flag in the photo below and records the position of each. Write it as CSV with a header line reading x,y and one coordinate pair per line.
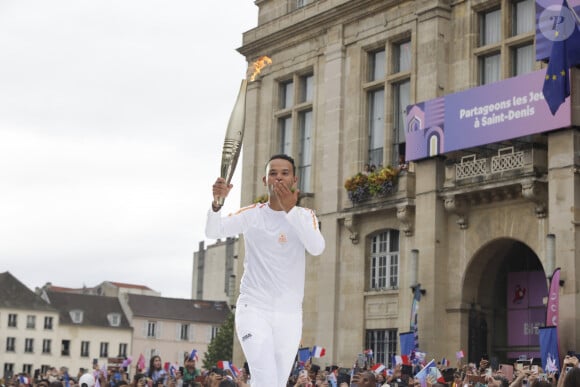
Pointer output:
x,y
303,354
565,54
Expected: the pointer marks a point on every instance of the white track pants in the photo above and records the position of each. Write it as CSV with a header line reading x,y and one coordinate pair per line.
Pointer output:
x,y
270,342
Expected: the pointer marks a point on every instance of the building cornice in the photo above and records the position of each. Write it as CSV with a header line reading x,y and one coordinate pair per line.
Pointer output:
x,y
278,34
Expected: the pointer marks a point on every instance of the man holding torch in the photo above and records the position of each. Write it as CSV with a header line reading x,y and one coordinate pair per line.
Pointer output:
x,y
277,235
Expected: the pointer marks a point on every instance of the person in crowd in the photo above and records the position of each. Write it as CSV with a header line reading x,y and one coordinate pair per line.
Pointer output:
x,y
364,379
214,377
190,372
139,380
569,376
303,380
155,372
277,235
572,378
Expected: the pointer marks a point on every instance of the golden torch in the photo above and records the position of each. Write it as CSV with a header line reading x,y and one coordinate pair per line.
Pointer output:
x,y
236,124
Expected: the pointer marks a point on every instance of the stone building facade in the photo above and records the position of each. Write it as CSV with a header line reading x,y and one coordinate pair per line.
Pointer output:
x,y
215,271
335,98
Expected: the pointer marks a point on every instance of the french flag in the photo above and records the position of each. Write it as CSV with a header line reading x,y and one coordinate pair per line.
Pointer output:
x,y
402,359
223,364
445,362
318,351
378,368
459,354
235,371
226,365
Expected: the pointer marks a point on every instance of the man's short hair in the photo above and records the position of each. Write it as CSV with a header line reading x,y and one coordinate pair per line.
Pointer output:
x,y
284,157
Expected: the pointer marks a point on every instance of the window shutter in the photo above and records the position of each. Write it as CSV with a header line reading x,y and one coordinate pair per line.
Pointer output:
x,y
191,338
177,331
158,330
145,326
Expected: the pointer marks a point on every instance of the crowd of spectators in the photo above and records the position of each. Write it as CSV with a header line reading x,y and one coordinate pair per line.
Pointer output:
x,y
309,375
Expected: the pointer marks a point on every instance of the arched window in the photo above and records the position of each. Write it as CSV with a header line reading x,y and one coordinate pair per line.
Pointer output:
x,y
384,260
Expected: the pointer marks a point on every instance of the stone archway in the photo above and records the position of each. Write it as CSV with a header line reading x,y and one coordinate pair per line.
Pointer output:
x,y
504,286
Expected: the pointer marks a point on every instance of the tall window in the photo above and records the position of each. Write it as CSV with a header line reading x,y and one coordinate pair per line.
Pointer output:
x,y
104,349
12,320
184,332
48,323
30,322
122,350
295,125
384,260
46,345
490,34
85,348
10,344
65,348
27,369
8,369
151,329
383,342
28,345
214,331
388,86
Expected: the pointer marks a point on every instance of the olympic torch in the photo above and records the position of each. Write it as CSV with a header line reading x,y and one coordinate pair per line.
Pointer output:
x,y
235,131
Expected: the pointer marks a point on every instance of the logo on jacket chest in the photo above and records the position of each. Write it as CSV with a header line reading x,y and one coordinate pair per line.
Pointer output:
x,y
282,239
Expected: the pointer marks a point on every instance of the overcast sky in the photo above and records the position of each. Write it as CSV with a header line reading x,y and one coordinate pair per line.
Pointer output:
x,y
112,120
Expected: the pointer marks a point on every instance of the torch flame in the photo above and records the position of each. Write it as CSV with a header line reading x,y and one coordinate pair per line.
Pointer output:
x,y
258,65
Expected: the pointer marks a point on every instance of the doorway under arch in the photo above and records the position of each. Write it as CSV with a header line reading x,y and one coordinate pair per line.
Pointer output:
x,y
505,286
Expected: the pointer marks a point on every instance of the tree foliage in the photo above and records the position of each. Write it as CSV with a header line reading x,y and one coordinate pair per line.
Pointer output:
x,y
221,346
